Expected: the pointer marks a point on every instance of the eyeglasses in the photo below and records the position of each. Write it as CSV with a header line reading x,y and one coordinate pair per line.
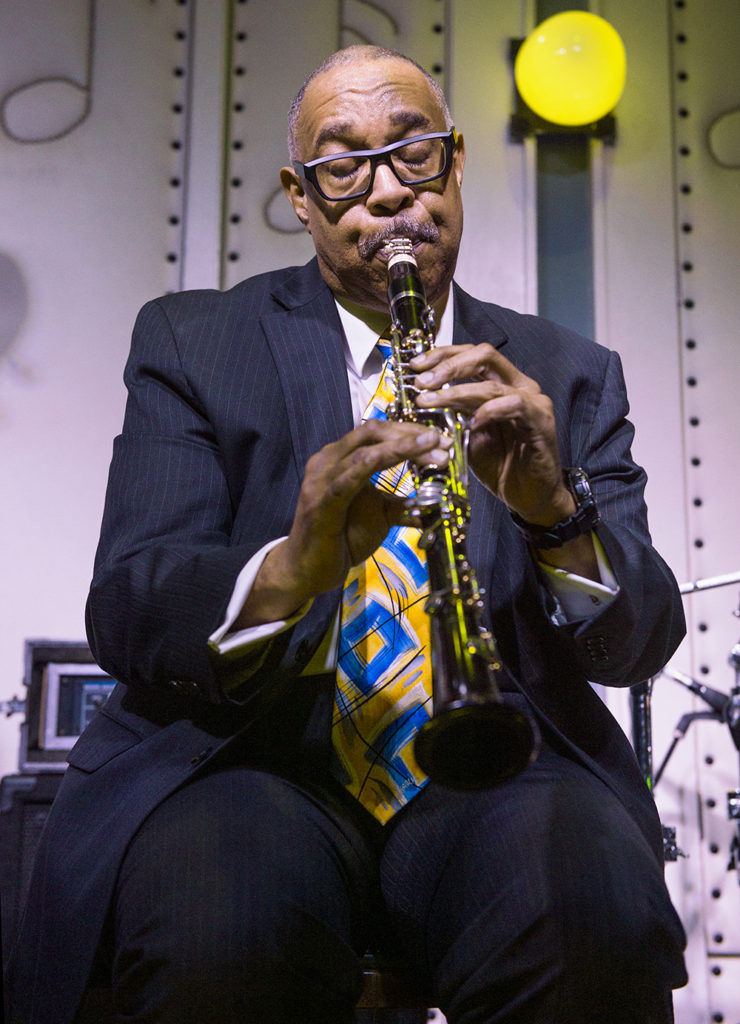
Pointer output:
x,y
343,176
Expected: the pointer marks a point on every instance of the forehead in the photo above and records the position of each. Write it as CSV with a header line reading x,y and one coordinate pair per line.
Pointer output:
x,y
367,103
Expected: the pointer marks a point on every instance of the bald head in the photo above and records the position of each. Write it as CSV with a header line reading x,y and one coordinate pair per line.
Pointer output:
x,y
344,58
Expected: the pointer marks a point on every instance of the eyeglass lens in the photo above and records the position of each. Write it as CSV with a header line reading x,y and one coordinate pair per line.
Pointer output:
x,y
420,160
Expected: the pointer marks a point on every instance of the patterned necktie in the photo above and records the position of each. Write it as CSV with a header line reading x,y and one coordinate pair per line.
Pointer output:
x,y
383,692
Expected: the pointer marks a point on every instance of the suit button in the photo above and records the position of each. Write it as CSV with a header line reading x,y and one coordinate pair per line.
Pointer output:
x,y
184,686
195,761
597,648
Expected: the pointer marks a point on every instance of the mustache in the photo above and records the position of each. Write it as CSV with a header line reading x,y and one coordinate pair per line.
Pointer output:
x,y
402,226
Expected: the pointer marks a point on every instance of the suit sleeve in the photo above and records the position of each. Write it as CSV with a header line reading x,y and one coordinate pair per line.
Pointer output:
x,y
634,636
167,558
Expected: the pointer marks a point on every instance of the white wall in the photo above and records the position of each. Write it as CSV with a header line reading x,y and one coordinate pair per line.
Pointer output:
x,y
89,218
659,208
84,216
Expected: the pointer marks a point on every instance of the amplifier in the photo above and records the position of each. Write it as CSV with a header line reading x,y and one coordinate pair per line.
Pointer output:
x,y
25,801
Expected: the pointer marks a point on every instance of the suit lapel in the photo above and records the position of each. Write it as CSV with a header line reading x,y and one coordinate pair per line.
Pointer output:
x,y
473,324
305,337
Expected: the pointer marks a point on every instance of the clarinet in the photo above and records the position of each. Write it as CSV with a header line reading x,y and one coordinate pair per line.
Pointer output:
x,y
472,739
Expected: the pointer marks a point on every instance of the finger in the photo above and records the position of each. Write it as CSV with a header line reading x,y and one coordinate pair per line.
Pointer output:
x,y
373,447
386,443
466,397
531,414
432,357
391,438
443,365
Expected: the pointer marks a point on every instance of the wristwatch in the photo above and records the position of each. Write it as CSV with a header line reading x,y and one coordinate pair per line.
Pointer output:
x,y
583,520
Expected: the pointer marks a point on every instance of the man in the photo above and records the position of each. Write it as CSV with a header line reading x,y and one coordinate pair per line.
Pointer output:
x,y
201,841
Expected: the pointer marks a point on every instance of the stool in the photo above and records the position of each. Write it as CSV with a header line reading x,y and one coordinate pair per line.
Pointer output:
x,y
391,994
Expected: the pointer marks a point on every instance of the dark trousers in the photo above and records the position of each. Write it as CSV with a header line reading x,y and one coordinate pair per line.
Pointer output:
x,y
246,899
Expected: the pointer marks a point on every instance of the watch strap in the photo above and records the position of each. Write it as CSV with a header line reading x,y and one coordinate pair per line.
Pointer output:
x,y
583,520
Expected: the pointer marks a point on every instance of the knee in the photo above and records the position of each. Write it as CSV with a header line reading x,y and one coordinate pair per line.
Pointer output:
x,y
623,948
266,966
260,929
210,900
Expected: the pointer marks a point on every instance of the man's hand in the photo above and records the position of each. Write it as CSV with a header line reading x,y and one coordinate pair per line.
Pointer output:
x,y
513,441
341,518
513,438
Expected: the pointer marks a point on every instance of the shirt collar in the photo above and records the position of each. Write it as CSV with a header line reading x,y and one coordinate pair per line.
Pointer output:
x,y
361,356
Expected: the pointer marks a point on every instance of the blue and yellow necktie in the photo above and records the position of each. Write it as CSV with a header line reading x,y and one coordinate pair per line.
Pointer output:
x,y
383,693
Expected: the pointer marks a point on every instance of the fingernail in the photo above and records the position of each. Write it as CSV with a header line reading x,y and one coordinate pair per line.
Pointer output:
x,y
439,456
424,378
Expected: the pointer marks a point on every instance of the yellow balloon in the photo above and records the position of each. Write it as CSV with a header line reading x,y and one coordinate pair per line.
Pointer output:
x,y
571,69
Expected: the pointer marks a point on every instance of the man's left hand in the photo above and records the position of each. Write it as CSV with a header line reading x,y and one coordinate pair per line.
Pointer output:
x,y
513,439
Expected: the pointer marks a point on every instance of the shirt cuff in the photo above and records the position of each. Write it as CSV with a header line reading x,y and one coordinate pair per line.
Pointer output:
x,y
577,597
223,640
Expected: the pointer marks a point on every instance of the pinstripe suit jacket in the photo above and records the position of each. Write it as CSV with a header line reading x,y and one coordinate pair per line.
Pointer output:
x,y
229,395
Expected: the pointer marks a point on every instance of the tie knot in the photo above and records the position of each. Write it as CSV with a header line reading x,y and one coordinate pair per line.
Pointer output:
x,y
384,346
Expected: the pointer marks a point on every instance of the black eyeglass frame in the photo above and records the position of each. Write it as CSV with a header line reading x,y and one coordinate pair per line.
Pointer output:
x,y
308,170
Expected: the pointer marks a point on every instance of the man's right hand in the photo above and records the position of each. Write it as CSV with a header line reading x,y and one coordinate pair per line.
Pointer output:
x,y
340,518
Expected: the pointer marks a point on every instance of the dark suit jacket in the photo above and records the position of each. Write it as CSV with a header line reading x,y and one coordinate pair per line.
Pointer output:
x,y
229,395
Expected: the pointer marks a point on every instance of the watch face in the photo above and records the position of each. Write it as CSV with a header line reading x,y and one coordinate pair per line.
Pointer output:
x,y
580,485
586,515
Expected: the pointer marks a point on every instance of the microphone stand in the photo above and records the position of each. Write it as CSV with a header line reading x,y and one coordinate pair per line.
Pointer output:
x,y
723,707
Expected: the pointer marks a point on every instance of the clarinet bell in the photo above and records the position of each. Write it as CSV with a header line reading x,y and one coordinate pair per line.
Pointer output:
x,y
476,746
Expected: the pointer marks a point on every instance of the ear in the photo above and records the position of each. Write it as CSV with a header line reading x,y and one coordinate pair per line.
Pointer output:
x,y
296,193
458,159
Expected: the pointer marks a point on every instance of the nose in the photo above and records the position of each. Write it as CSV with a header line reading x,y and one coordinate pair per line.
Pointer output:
x,y
388,193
